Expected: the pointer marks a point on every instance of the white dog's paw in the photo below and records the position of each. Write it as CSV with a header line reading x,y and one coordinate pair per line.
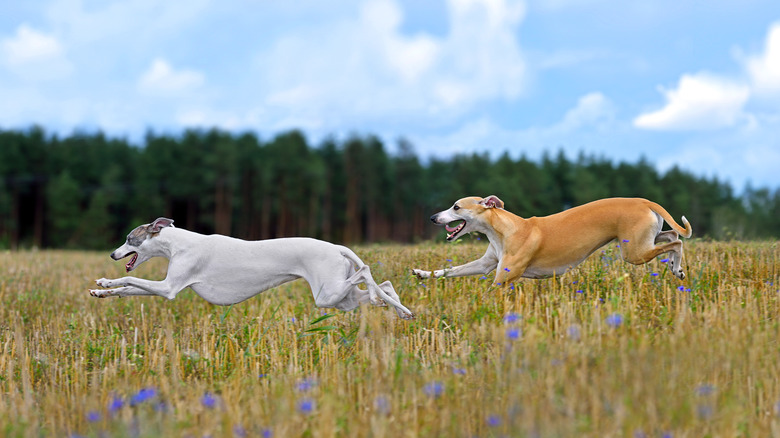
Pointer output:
x,y
405,315
104,282
419,273
100,293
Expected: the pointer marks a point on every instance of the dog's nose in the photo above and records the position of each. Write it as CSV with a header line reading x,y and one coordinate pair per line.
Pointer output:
x,y
433,218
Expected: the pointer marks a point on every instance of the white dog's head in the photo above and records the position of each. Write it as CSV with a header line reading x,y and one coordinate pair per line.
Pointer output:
x,y
140,243
468,210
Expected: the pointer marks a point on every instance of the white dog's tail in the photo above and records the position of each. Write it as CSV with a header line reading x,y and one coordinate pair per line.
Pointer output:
x,y
369,280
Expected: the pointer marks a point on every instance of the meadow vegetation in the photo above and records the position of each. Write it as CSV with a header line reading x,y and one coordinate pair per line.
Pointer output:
x,y
610,349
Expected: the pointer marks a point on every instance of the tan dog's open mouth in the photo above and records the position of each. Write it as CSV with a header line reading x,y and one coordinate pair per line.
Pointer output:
x,y
453,231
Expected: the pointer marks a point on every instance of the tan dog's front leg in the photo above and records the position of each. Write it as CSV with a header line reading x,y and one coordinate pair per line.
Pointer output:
x,y
483,265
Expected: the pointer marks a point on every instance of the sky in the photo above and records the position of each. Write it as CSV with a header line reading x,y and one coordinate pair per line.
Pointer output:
x,y
690,84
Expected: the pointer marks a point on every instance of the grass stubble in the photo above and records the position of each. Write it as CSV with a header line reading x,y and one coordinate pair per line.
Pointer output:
x,y
609,349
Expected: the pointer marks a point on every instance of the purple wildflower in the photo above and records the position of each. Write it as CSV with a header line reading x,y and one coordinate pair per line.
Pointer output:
x,y
664,260
513,333
574,332
208,400
306,406
434,389
614,320
115,404
506,269
93,416
239,431
493,420
306,385
512,318
145,394
459,371
483,278
382,405
266,433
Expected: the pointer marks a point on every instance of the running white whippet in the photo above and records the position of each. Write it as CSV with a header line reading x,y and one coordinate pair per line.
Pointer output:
x,y
540,247
224,270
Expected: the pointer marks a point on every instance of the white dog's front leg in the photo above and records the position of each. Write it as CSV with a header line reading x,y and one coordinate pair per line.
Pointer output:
x,y
160,288
126,291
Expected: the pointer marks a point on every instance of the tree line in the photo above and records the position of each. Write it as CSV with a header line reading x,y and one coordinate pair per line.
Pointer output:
x,y
89,190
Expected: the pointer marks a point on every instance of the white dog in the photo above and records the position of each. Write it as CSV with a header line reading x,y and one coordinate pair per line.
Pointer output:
x,y
225,271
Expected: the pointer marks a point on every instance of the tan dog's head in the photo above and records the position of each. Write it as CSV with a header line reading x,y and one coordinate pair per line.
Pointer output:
x,y
139,243
468,210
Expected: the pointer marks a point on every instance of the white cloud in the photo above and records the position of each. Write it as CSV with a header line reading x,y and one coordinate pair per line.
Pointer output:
x,y
32,54
764,70
582,126
161,78
700,102
368,68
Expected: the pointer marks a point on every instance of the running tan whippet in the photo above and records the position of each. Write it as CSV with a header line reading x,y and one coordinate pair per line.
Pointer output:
x,y
540,247
225,271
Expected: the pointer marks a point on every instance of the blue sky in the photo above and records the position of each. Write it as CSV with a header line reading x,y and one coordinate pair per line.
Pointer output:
x,y
692,84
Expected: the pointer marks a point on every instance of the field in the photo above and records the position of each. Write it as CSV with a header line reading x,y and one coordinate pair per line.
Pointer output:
x,y
610,349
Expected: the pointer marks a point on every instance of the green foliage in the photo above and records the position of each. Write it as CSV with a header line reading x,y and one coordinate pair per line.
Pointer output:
x,y
87,190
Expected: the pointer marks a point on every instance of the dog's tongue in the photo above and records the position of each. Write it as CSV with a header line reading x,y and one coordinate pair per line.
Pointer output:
x,y
130,264
451,229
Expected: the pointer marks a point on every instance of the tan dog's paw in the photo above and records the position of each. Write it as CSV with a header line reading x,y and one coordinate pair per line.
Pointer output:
x,y
420,274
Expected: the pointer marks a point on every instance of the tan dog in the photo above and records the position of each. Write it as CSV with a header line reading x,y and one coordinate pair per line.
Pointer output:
x,y
540,247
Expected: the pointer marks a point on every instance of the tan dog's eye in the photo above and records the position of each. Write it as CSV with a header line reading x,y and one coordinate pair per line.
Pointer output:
x,y
455,207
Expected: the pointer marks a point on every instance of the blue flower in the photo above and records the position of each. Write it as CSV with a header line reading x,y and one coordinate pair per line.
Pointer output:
x,y
93,416
574,332
705,390
483,278
143,395
449,260
493,420
208,400
614,320
260,376
506,269
512,318
306,385
239,431
434,389
664,260
459,371
115,404
579,291
266,433
382,405
654,274
306,406
625,240
513,333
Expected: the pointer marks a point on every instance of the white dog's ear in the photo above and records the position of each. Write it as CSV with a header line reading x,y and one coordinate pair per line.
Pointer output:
x,y
492,201
159,224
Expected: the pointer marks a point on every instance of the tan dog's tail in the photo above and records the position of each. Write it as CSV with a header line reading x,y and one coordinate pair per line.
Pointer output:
x,y
684,232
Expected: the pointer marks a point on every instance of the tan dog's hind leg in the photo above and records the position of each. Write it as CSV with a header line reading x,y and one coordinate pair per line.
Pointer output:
x,y
642,251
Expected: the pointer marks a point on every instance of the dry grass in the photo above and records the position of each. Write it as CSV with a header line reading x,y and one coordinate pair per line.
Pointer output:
x,y
702,361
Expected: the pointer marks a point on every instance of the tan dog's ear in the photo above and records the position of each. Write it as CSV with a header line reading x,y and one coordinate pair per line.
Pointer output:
x,y
492,201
